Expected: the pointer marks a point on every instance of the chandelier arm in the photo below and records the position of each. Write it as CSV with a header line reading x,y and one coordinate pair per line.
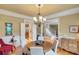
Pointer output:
x,y
39,10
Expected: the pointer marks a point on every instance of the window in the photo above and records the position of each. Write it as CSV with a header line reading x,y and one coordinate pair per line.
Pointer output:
x,y
8,28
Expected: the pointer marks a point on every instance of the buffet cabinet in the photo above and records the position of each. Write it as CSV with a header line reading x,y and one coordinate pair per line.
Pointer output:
x,y
71,45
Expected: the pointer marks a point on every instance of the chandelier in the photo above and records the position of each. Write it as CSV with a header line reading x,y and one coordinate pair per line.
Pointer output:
x,y
39,17
39,20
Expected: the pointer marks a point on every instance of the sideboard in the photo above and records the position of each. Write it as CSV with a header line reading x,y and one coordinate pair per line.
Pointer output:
x,y
71,45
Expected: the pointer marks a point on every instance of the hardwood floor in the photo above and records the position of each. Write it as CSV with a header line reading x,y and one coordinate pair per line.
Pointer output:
x,y
59,52
63,52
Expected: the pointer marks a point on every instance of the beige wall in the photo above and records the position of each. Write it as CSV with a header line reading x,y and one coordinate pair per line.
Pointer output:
x,y
15,21
64,25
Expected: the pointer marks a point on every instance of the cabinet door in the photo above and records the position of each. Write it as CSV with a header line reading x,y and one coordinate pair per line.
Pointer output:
x,y
77,47
64,44
59,45
73,46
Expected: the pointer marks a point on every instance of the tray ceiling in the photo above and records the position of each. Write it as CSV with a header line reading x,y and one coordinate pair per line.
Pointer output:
x,y
32,10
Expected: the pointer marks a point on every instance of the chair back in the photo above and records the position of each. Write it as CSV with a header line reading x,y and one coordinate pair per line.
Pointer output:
x,y
53,51
36,51
41,38
55,45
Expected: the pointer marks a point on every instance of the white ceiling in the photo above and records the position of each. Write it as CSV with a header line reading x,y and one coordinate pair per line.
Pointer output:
x,y
32,10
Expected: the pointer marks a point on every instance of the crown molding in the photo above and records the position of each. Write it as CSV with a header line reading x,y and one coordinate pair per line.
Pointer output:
x,y
53,21
63,13
14,14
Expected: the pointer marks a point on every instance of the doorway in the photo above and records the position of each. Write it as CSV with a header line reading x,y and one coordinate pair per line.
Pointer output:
x,y
28,32
54,29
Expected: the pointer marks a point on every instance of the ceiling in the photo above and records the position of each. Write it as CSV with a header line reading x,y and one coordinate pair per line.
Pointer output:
x,y
32,10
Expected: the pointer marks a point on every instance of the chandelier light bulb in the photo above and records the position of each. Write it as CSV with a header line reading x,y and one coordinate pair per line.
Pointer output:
x,y
44,19
35,19
40,17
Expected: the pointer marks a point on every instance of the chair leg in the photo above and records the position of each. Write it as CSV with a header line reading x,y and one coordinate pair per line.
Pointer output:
x,y
23,53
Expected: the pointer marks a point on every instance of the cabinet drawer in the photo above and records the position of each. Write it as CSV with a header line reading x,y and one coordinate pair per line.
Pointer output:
x,y
72,41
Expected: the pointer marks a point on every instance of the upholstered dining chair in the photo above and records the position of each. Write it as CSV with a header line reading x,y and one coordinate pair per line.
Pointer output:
x,y
36,51
53,51
40,40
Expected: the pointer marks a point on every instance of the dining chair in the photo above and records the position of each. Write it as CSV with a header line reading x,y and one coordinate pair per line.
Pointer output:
x,y
53,50
36,51
40,40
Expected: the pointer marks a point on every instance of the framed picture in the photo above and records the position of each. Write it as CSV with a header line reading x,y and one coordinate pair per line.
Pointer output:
x,y
8,28
74,28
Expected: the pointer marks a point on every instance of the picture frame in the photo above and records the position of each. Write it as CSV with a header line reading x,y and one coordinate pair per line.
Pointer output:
x,y
74,28
8,29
